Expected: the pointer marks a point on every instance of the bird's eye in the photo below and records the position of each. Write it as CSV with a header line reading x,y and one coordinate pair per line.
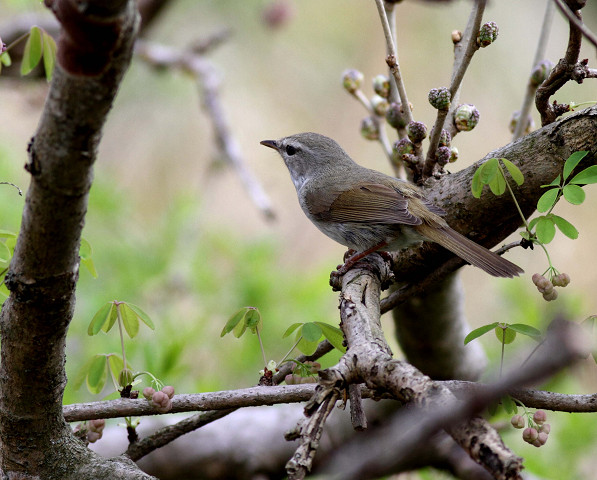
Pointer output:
x,y
290,150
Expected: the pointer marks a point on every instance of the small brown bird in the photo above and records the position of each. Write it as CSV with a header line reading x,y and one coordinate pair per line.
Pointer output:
x,y
367,210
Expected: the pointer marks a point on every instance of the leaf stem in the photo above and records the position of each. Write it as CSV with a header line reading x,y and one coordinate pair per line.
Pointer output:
x,y
524,220
261,346
119,317
290,351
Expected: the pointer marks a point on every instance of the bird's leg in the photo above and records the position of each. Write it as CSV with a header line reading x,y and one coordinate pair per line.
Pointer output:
x,y
355,257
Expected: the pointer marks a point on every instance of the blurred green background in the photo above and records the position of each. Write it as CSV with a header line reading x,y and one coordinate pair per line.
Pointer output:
x,y
174,232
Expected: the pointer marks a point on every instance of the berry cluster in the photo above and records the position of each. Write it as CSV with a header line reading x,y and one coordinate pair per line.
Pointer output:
x,y
162,399
546,287
537,432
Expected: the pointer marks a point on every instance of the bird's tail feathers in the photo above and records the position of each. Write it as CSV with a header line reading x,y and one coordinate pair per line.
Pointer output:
x,y
470,251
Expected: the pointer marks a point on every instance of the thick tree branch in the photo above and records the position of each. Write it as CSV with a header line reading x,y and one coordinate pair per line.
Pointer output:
x,y
93,54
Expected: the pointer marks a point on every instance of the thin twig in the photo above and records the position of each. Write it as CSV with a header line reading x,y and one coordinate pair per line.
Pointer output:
x,y
392,60
527,102
208,82
590,36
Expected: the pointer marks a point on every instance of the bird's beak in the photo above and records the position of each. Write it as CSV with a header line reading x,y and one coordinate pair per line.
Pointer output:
x,y
270,143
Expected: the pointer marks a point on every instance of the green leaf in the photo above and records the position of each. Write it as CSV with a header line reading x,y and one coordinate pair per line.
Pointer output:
x,y
477,184
111,319
84,249
142,315
525,330
574,194
7,234
311,332
554,183
498,184
545,230
116,364
586,176
334,335
477,332
241,327
514,171
81,375
233,321
253,320
547,200
489,170
90,266
307,347
49,54
100,318
291,329
572,161
97,374
565,227
534,221
5,253
509,405
505,335
129,320
32,52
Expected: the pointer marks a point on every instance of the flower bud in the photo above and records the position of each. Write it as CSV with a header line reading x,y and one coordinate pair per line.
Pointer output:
x,y
529,435
561,280
148,392
453,154
440,98
352,80
380,105
394,115
416,131
381,86
97,425
442,155
445,138
487,34
466,117
168,390
93,437
517,421
403,147
539,417
125,377
542,438
514,119
540,72
549,296
545,428
370,128
456,36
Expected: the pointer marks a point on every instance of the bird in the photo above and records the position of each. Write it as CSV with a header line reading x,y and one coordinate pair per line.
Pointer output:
x,y
366,210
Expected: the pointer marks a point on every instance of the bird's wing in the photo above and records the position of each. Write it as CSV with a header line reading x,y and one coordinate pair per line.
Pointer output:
x,y
364,203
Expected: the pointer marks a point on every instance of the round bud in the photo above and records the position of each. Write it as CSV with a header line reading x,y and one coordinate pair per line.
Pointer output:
x,y
416,131
314,366
352,80
277,14
440,98
168,390
380,105
549,296
442,155
97,425
308,380
403,147
93,437
539,417
517,421
160,400
381,86
125,377
561,280
514,122
456,36
290,379
394,115
148,392
370,128
466,117
545,428
540,72
487,34
445,138
453,154
536,278
542,438
529,435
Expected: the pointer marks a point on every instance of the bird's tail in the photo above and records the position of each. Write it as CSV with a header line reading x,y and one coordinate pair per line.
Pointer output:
x,y
470,251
